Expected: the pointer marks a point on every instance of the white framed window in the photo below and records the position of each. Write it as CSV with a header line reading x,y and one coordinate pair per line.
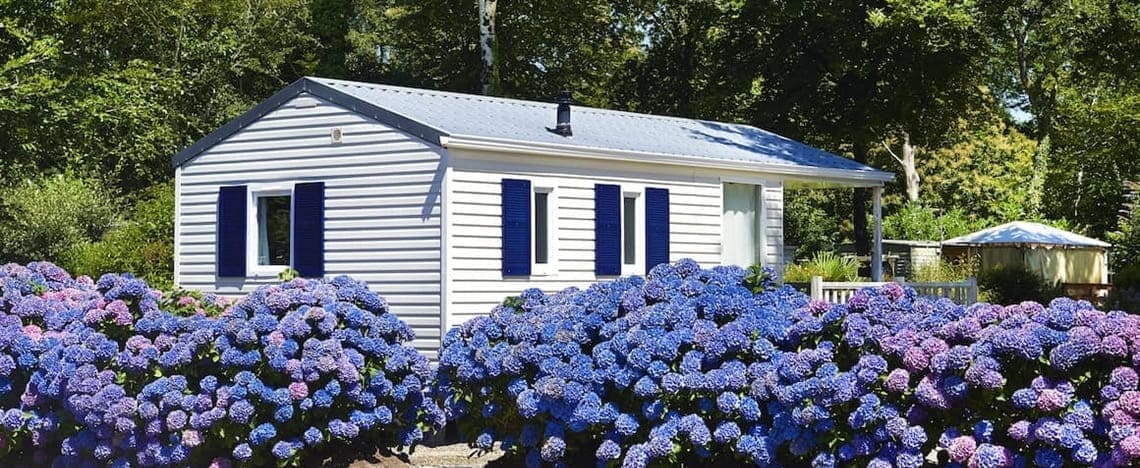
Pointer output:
x,y
544,230
632,231
269,237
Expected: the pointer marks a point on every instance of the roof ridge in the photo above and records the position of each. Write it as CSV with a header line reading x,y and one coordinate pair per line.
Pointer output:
x,y
530,103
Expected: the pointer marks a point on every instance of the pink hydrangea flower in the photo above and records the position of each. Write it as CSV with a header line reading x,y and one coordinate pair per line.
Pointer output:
x,y
298,391
34,332
186,300
916,359
1131,446
1114,346
934,346
94,316
124,318
1050,400
962,448
1130,402
1124,378
118,306
897,381
191,438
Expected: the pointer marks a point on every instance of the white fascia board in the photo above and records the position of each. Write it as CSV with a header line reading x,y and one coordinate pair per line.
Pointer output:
x,y
837,176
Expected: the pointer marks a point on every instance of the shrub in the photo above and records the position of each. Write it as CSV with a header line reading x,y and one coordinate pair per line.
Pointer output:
x,y
143,245
1125,293
1011,284
44,218
829,265
96,371
942,271
587,374
1126,299
807,224
701,367
915,221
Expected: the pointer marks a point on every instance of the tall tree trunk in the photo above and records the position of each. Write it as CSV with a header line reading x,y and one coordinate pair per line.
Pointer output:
x,y
859,207
487,43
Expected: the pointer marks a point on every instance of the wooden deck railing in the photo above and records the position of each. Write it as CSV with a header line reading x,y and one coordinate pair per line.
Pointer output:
x,y
961,292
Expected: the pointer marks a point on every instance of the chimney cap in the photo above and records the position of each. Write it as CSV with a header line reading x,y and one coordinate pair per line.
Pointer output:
x,y
563,123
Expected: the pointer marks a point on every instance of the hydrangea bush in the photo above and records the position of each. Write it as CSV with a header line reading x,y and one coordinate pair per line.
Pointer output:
x,y
113,372
721,366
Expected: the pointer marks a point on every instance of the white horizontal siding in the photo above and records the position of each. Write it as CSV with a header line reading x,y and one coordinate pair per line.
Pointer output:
x,y
382,204
475,283
772,196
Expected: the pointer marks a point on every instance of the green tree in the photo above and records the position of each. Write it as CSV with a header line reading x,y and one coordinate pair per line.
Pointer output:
x,y
1063,63
127,95
540,47
1097,137
858,73
30,51
682,67
985,168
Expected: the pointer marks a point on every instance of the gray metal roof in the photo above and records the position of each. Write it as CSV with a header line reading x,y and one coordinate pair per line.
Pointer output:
x,y
434,114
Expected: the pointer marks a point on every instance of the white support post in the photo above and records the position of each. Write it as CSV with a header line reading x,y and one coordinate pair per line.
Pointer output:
x,y
877,247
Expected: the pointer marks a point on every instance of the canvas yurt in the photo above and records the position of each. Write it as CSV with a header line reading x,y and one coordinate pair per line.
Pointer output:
x,y
1057,255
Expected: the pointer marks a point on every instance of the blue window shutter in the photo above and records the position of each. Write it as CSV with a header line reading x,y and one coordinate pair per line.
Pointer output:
x,y
230,248
656,227
309,229
516,227
607,230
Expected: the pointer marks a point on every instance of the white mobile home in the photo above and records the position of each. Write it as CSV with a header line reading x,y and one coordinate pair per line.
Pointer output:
x,y
446,203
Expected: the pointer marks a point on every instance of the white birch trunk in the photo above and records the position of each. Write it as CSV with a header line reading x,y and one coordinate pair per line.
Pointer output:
x,y
907,161
909,169
487,42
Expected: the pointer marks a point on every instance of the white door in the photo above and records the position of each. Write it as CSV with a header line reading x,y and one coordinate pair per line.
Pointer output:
x,y
740,226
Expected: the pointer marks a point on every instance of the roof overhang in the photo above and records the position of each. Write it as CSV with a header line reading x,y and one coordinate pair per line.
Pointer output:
x,y
807,174
1025,245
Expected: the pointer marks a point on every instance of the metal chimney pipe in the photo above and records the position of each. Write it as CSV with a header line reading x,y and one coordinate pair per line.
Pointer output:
x,y
563,121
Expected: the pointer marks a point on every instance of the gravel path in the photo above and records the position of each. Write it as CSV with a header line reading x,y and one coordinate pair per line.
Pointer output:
x,y
449,456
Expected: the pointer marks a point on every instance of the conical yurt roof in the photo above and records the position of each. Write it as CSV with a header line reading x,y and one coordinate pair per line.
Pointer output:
x,y
1026,234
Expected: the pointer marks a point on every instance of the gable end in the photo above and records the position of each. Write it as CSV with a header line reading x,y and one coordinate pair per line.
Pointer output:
x,y
415,128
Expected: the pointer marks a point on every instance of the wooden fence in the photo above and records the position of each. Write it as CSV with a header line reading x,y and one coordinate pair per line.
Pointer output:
x,y
962,292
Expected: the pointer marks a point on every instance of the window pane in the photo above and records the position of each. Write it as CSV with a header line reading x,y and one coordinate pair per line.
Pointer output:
x,y
629,230
273,230
541,231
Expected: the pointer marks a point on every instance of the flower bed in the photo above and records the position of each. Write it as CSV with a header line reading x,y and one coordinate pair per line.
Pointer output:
x,y
113,372
709,366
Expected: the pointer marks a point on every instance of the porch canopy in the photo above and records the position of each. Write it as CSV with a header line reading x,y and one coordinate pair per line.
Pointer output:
x,y
1057,255
876,187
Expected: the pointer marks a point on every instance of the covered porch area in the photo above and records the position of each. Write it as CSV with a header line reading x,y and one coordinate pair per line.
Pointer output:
x,y
754,213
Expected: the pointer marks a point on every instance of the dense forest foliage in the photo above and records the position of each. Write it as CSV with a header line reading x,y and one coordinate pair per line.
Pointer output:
x,y
988,110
